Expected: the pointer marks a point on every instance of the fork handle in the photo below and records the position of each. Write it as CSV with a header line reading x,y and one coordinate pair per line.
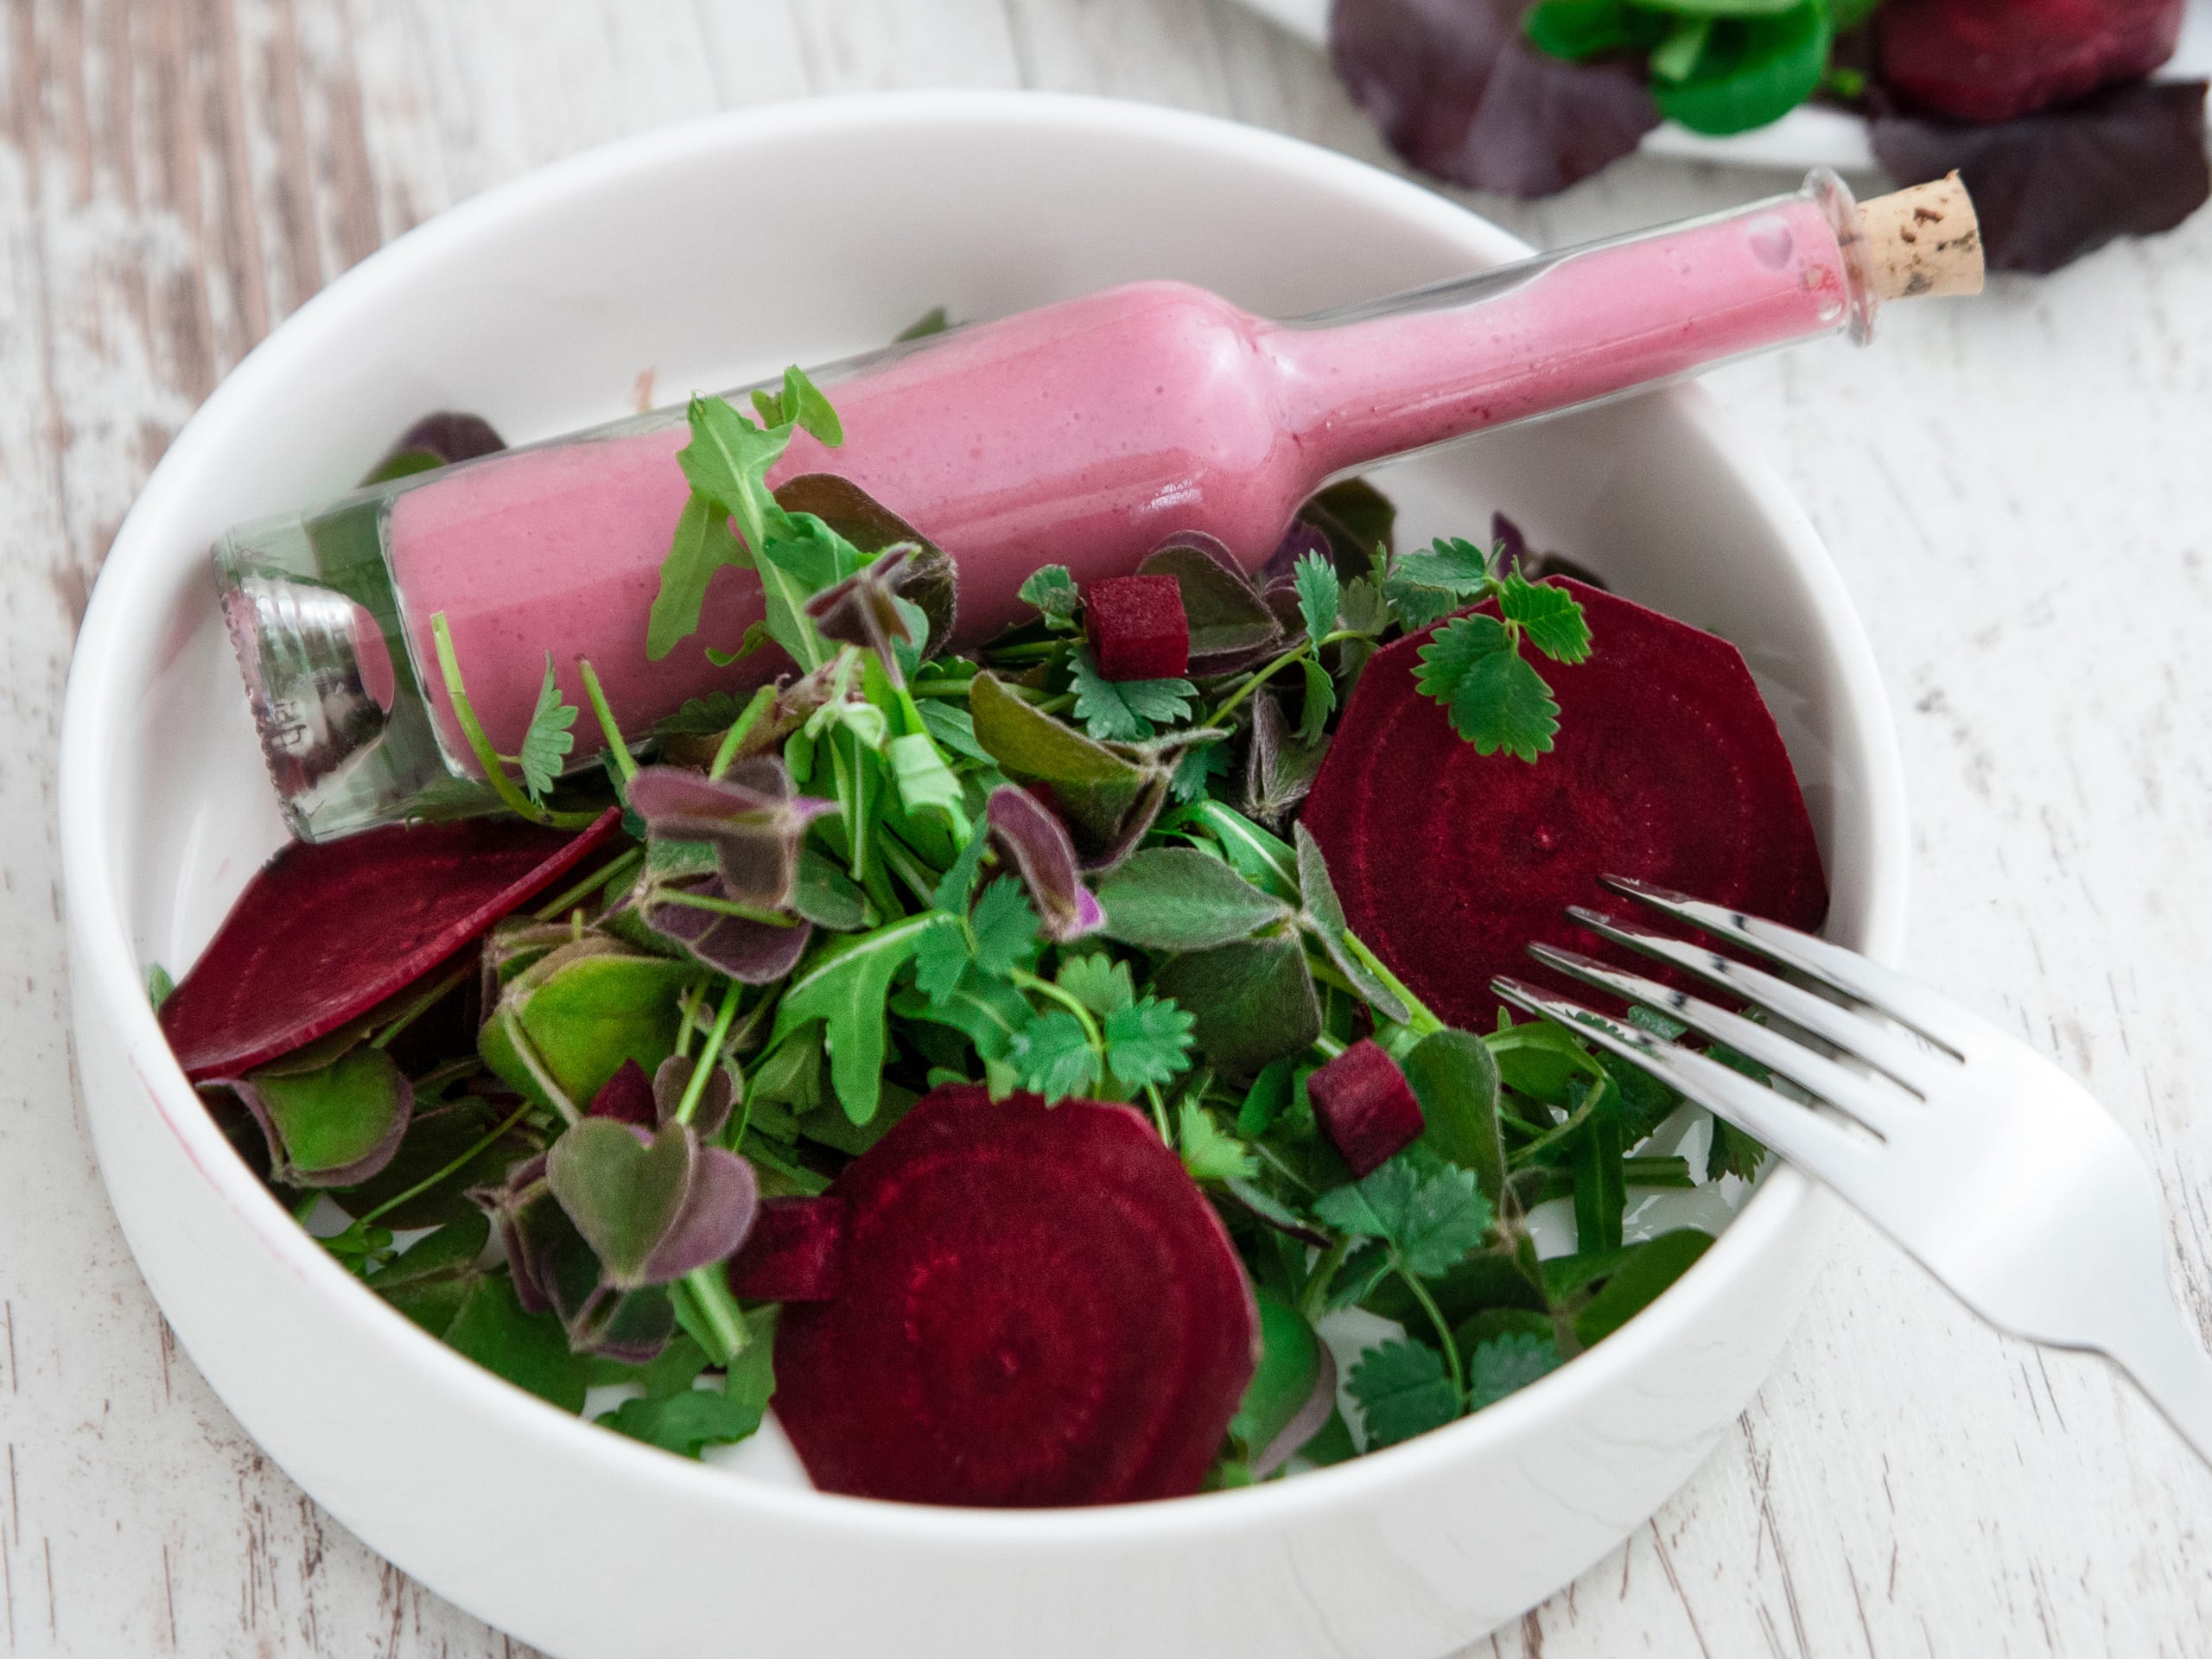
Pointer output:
x,y
2167,1361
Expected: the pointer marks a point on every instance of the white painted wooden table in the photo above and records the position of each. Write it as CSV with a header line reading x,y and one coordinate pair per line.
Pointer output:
x,y
2019,492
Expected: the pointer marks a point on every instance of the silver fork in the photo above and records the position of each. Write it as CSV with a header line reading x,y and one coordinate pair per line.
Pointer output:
x,y
1993,1167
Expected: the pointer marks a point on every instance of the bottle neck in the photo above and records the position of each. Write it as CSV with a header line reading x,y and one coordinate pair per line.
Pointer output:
x,y
1566,330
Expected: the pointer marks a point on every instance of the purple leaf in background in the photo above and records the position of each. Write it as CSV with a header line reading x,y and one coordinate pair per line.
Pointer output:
x,y
1535,565
1231,626
1040,848
750,952
715,1099
530,1227
750,816
863,610
1297,540
1278,769
2052,187
1459,91
451,436
652,1207
1306,1422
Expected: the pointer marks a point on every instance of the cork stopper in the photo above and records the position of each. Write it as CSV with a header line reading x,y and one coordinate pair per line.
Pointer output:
x,y
1924,240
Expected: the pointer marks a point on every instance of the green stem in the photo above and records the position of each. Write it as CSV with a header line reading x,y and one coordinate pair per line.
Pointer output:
x,y
534,1062
1067,999
1258,677
1056,705
495,772
724,908
718,1311
1032,651
1323,1275
624,762
940,689
908,868
1443,1332
1329,1045
725,756
710,1056
591,884
1422,1021
461,1163
1159,1112
421,1006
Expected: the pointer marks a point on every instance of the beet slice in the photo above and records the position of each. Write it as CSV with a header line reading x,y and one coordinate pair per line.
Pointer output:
x,y
1137,627
795,1253
1667,767
1366,1107
327,930
1989,60
1040,1307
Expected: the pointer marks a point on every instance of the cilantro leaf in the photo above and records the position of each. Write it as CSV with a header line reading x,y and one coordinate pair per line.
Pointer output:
x,y
1431,1212
1195,771
1497,700
1053,1057
952,892
1423,586
1363,607
1402,1391
940,959
1508,1362
701,545
1320,595
1551,617
1052,589
1209,1152
1099,982
1124,710
546,745
1004,928
1149,1043
1320,701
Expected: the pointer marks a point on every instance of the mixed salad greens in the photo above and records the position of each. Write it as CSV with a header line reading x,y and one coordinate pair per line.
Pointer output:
x,y
2044,107
975,1052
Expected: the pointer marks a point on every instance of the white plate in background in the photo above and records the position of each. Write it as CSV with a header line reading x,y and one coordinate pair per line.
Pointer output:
x,y
1808,136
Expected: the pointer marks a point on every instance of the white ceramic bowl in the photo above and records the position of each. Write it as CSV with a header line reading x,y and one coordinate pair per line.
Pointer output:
x,y
710,253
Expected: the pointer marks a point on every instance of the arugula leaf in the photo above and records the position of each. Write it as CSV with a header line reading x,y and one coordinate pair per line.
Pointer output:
x,y
1432,1213
727,461
800,403
1054,1056
1208,1153
1320,595
844,986
1423,586
1149,1043
1099,982
547,744
1124,710
1402,1391
702,546
1551,617
1051,588
954,728
1495,699
1506,1364
1004,928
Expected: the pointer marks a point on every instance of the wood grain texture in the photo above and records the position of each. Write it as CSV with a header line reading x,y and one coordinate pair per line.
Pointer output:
x,y
2015,489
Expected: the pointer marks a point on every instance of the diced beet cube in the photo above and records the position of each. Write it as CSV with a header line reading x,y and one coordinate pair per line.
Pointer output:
x,y
1366,1107
795,1253
1137,627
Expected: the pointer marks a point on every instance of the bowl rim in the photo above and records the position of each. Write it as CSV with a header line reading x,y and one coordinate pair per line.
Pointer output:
x,y
124,613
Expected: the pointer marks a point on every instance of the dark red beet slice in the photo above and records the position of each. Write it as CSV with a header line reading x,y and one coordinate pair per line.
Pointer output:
x,y
1039,1308
1667,767
1988,61
1366,1107
324,933
1137,627
795,1253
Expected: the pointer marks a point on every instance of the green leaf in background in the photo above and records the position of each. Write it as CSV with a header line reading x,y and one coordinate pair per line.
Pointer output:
x,y
1675,58
546,745
1178,898
1497,700
1288,1371
1051,588
1455,1079
1752,71
925,783
1647,1269
429,1281
1209,1152
334,1126
1259,855
1600,1193
1149,1043
530,1349
1585,28
1124,711
702,546
1195,771
1253,1001
1402,1391
844,985
1319,593
686,1420
1093,789
1507,1363
1429,1211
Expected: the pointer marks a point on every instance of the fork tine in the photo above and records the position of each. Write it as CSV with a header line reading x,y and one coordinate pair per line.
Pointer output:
x,y
1877,1105
1899,1057
1932,1015
1798,1133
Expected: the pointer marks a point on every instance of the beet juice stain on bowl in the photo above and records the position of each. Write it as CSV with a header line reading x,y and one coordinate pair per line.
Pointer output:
x,y
801,1084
